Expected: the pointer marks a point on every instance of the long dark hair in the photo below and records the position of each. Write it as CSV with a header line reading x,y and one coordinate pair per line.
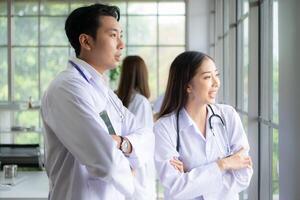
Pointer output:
x,y
182,70
134,77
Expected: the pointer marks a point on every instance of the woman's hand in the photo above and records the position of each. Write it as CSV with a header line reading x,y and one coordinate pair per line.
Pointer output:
x,y
177,164
236,161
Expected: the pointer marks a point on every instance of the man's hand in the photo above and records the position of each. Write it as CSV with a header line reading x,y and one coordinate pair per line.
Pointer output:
x,y
117,139
177,164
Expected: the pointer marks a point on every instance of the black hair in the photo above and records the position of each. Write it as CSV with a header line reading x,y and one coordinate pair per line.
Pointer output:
x,y
86,20
182,71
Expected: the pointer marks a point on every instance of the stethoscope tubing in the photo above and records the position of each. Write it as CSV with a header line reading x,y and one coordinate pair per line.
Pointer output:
x,y
228,149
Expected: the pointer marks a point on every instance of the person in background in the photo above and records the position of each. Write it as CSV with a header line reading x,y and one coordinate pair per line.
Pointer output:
x,y
201,149
134,92
92,142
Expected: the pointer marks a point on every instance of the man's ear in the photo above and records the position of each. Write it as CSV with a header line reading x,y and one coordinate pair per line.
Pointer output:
x,y
85,41
188,88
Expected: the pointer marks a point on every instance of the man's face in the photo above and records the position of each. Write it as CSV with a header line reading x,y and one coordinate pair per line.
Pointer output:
x,y
106,48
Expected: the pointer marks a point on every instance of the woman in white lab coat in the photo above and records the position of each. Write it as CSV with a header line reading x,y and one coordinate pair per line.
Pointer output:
x,y
198,156
134,92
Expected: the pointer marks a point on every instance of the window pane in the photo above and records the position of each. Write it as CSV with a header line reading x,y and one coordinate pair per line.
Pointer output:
x,y
172,30
227,73
245,63
3,7
166,57
142,8
30,120
53,60
226,16
3,75
275,84
25,7
77,4
123,24
245,6
244,119
54,8
25,31
150,57
3,30
120,5
142,30
27,138
172,8
52,31
26,74
275,166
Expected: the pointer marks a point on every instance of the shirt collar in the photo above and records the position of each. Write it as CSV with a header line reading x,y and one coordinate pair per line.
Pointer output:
x,y
90,71
186,121
92,75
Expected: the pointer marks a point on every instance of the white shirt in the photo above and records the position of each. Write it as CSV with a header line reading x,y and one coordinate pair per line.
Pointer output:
x,y
145,175
82,160
203,179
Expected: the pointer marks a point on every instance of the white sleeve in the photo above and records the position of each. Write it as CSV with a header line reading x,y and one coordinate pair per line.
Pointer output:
x,y
236,181
201,180
142,111
140,137
70,112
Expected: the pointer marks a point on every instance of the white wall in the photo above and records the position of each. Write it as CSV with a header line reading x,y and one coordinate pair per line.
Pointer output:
x,y
198,25
289,95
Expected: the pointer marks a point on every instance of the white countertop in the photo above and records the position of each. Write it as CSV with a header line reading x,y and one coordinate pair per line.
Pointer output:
x,y
28,185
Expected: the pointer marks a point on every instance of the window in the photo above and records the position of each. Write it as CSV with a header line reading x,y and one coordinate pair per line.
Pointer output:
x,y
275,100
269,99
29,61
243,54
160,41
3,52
34,49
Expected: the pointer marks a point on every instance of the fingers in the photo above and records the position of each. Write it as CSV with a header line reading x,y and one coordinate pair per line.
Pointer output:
x,y
246,162
177,164
175,160
250,164
239,160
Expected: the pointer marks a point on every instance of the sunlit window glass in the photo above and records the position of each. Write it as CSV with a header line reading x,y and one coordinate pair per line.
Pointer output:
x,y
142,30
3,75
142,8
275,63
26,74
275,165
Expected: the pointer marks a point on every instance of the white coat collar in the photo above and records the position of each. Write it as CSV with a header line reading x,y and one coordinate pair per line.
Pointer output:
x,y
91,74
186,121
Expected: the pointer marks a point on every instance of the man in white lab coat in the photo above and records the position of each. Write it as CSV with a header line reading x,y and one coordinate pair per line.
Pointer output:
x,y
84,160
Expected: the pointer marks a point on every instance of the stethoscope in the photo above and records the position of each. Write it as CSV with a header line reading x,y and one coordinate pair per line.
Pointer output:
x,y
111,100
213,115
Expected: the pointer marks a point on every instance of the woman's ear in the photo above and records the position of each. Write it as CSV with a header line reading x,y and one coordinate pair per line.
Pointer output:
x,y
85,41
